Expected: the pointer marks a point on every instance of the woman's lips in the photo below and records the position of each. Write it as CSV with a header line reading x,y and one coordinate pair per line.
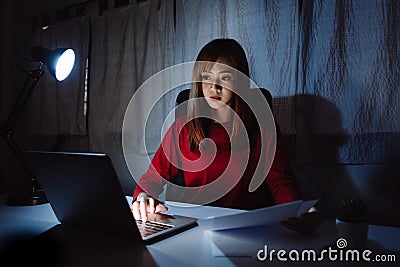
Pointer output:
x,y
215,97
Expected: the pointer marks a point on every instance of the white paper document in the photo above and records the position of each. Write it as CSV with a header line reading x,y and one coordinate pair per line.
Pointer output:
x,y
258,217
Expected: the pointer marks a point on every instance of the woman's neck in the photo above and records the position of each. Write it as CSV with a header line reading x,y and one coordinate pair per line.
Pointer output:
x,y
222,115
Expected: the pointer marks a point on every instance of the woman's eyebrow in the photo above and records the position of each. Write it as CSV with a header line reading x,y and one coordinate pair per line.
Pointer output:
x,y
221,72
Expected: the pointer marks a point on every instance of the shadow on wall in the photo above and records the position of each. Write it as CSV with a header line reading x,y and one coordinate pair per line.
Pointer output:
x,y
312,126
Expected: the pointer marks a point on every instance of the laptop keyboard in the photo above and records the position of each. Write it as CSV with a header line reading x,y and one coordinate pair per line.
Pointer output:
x,y
149,228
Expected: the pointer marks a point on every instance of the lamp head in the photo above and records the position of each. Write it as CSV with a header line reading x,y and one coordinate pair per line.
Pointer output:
x,y
59,61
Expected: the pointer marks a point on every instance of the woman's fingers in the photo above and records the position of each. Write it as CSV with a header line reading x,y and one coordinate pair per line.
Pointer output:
x,y
143,206
143,210
135,210
161,208
151,205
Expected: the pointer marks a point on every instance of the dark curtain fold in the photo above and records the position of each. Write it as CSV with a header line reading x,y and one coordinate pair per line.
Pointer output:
x,y
129,45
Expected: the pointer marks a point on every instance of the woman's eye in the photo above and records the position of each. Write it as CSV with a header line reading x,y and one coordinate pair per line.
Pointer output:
x,y
226,78
205,78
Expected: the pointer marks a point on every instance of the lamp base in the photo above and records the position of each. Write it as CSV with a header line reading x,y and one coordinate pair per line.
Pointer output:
x,y
34,198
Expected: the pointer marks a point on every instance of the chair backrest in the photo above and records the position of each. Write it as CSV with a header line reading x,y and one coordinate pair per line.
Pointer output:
x,y
182,96
180,103
267,94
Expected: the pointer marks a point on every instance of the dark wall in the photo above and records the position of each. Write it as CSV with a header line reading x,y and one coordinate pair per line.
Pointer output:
x,y
16,32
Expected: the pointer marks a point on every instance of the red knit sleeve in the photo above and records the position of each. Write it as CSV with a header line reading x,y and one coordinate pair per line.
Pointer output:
x,y
163,165
280,179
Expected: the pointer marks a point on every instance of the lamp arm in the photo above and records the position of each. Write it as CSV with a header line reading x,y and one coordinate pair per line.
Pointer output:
x,y
7,128
20,155
25,93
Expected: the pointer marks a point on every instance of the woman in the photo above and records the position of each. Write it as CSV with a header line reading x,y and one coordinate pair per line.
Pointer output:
x,y
216,112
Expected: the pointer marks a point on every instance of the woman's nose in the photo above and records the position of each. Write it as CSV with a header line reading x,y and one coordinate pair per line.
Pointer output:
x,y
216,87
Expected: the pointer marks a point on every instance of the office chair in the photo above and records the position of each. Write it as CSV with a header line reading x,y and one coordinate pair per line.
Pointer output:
x,y
180,111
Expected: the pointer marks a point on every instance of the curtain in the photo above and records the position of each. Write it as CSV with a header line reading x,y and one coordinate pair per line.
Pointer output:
x,y
349,79
128,46
57,108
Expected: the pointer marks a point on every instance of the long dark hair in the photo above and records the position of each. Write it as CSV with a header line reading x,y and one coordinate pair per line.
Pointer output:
x,y
229,52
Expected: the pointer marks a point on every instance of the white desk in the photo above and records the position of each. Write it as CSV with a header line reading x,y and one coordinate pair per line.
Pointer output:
x,y
193,247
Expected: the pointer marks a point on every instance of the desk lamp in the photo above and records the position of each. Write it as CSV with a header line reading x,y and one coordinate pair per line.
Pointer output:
x,y
59,63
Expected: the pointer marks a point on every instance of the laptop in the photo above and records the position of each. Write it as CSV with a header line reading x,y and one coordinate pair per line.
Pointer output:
x,y
84,191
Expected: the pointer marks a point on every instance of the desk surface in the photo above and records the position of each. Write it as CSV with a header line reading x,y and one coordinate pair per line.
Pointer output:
x,y
194,247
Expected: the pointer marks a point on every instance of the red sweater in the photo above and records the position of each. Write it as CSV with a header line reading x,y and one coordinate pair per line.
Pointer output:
x,y
278,187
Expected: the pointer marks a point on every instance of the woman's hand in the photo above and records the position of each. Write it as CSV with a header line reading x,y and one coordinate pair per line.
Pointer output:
x,y
144,205
307,223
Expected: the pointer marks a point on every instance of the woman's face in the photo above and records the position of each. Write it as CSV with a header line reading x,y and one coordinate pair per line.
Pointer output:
x,y
217,85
